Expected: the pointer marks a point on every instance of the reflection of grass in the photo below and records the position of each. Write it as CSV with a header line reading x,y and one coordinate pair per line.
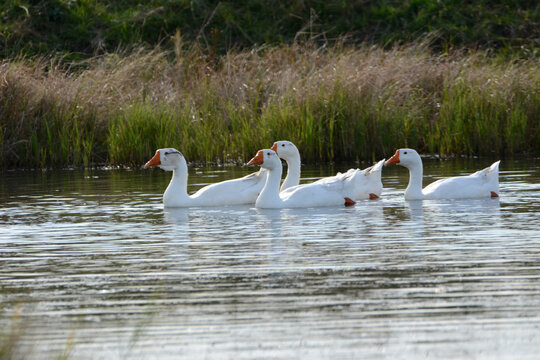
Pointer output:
x,y
336,104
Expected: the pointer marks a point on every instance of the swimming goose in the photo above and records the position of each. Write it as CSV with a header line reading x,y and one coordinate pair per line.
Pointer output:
x,y
334,191
370,187
230,192
483,183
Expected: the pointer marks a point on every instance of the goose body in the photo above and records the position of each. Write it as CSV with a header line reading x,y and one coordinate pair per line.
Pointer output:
x,y
230,192
331,192
367,187
481,184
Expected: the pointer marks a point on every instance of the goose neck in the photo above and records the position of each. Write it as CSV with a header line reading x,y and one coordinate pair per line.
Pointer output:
x,y
269,195
293,173
414,189
176,193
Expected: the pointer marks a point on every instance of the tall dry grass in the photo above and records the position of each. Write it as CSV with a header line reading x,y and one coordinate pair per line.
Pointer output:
x,y
335,103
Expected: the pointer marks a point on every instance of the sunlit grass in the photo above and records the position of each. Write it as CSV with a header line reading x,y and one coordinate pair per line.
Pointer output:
x,y
334,103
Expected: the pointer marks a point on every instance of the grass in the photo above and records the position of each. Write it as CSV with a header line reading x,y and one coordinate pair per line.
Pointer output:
x,y
18,332
10,337
84,28
14,341
335,103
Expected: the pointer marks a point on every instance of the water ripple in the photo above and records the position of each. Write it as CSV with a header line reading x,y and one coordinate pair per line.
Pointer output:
x,y
94,257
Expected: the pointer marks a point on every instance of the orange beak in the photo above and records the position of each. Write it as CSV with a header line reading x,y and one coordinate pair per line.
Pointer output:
x,y
274,147
156,160
394,159
257,159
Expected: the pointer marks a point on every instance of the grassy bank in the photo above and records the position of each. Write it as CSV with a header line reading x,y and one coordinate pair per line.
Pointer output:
x,y
334,103
78,29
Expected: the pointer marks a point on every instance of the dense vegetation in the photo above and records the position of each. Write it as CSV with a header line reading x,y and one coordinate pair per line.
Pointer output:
x,y
79,28
95,82
335,103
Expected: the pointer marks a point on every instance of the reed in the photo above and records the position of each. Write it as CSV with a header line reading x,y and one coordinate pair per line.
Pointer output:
x,y
335,103
15,338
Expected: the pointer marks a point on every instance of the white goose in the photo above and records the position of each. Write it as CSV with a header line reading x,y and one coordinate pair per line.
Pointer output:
x,y
287,151
371,186
483,183
231,192
334,191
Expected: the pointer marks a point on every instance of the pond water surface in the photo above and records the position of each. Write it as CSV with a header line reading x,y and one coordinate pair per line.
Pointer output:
x,y
92,266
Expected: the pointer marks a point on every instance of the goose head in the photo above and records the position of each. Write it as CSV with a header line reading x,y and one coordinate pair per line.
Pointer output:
x,y
405,157
167,159
266,158
285,149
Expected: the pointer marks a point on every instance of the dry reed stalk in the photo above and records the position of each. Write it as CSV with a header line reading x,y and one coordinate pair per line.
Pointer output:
x,y
337,103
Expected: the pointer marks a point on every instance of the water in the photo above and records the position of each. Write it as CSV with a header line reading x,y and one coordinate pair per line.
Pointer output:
x,y
95,268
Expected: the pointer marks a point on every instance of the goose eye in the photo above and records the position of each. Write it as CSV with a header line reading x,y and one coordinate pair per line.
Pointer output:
x,y
404,153
283,145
